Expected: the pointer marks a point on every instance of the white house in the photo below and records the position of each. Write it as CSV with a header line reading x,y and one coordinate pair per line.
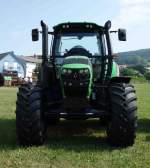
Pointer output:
x,y
31,63
9,61
24,65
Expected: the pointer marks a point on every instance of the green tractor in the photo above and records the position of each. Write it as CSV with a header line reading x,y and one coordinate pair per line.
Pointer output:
x,y
77,80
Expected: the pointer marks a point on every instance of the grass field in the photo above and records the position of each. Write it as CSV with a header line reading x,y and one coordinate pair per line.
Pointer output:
x,y
76,144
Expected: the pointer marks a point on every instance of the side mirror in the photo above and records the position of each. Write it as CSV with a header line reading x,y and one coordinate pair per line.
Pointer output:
x,y
122,34
35,34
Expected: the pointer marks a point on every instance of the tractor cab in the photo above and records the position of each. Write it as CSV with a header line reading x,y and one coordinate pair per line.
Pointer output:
x,y
80,39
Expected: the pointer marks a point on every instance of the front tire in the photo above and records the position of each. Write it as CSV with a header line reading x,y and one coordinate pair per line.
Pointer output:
x,y
30,125
122,126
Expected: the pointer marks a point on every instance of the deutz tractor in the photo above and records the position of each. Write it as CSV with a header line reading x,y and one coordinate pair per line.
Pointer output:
x,y
78,80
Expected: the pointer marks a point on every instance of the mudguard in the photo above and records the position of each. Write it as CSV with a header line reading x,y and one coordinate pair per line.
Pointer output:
x,y
120,79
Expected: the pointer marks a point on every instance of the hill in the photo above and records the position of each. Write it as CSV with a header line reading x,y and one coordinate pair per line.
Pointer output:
x,y
141,56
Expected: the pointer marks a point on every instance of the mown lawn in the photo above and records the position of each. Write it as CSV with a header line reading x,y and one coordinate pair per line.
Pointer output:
x,y
74,144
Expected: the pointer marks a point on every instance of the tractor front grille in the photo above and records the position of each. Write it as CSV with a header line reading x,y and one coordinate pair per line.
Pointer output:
x,y
76,84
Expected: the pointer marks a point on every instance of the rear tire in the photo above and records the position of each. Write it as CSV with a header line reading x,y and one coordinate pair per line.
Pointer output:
x,y
30,125
122,126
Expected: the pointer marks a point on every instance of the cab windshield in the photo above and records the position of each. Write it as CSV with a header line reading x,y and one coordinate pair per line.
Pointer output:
x,y
89,41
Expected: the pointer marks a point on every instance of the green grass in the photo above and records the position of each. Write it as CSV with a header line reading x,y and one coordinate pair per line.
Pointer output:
x,y
76,144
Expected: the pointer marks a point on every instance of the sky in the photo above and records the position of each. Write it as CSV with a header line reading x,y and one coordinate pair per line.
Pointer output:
x,y
17,18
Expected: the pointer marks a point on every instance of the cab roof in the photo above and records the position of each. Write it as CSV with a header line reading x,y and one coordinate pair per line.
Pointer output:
x,y
77,27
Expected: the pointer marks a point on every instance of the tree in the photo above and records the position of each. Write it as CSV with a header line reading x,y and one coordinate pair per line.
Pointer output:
x,y
132,60
139,68
129,72
147,75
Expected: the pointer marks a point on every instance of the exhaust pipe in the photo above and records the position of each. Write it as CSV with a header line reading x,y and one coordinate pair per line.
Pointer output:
x,y
44,42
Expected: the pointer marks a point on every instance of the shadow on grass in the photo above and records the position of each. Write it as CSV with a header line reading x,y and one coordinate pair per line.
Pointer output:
x,y
144,125
7,134
87,135
78,136
68,135
148,138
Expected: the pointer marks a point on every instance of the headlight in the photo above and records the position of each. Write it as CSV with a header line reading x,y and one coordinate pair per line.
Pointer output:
x,y
86,71
66,71
83,71
69,71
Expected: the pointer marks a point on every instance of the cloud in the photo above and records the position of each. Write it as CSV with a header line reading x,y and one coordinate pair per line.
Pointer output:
x,y
133,13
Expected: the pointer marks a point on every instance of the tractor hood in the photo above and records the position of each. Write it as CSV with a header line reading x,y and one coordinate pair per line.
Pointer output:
x,y
76,76
77,62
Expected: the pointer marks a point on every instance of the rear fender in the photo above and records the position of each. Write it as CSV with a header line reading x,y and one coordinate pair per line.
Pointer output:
x,y
120,79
